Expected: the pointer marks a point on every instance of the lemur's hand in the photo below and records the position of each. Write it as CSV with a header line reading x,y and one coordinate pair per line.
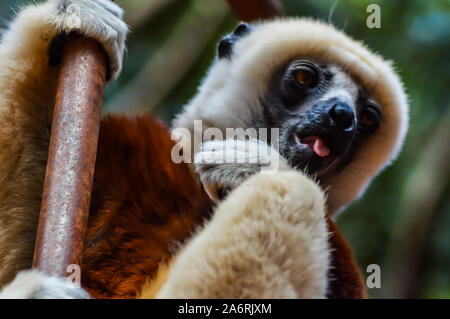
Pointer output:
x,y
97,19
31,284
224,165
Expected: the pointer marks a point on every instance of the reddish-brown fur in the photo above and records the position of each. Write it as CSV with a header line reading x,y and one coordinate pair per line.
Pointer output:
x,y
143,204
346,280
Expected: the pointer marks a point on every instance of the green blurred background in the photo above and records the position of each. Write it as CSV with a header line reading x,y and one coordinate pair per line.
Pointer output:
x,y
403,221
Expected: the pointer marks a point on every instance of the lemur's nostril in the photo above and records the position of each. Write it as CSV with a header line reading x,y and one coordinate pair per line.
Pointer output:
x,y
342,115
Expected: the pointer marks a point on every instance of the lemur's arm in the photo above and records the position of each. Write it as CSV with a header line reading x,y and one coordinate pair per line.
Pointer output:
x,y
27,91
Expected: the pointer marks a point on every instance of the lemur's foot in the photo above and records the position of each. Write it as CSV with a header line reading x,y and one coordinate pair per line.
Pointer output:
x,y
224,165
32,284
97,19
267,239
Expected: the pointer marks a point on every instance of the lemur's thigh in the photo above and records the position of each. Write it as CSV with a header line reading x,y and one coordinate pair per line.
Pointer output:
x,y
268,239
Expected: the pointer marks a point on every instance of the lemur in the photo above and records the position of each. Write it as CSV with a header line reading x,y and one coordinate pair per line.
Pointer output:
x,y
342,115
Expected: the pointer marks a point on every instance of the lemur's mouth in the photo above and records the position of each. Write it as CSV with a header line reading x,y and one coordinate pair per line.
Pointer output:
x,y
313,151
317,144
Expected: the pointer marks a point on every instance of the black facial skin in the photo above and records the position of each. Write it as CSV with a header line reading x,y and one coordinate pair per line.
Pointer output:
x,y
342,128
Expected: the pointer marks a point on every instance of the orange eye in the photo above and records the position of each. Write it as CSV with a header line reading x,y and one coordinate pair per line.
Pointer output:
x,y
370,118
306,77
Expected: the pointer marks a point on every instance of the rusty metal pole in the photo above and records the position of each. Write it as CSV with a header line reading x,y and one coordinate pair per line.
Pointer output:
x,y
250,10
71,159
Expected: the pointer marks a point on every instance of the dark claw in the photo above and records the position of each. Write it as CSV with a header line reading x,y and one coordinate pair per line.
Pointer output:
x,y
56,48
223,192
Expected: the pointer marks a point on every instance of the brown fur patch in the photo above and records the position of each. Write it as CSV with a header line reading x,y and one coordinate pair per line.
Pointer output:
x,y
143,204
346,281
151,289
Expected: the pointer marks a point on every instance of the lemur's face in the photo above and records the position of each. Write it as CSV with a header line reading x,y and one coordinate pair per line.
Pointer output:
x,y
323,115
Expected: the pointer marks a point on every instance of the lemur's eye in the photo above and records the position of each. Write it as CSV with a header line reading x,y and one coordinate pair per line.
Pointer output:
x,y
306,76
370,117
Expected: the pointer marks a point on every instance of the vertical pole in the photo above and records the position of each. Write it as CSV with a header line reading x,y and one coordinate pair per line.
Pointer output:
x,y
71,159
250,10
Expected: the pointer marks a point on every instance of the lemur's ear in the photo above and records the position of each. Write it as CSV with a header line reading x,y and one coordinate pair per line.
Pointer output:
x,y
226,44
241,29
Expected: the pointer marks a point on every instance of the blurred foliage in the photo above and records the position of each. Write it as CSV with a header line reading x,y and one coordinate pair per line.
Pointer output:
x,y
414,34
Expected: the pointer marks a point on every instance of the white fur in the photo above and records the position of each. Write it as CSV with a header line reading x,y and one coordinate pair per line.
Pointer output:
x,y
227,163
229,95
237,152
36,285
268,239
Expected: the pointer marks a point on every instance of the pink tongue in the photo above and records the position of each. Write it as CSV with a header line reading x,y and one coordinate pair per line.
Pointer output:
x,y
317,144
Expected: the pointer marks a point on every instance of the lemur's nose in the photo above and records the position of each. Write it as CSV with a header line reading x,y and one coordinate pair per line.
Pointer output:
x,y
342,116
